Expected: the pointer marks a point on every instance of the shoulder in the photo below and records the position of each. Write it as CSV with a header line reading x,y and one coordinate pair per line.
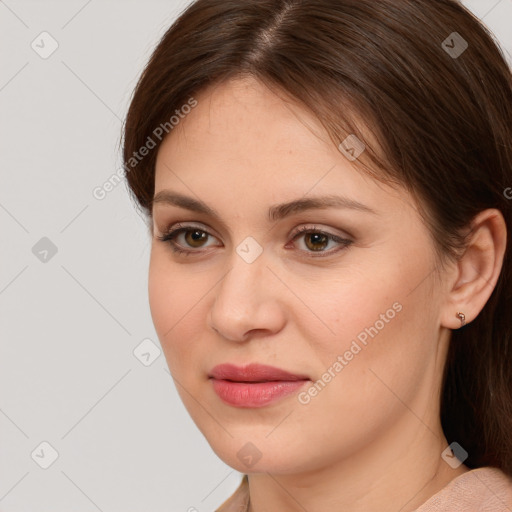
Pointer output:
x,y
238,501
485,489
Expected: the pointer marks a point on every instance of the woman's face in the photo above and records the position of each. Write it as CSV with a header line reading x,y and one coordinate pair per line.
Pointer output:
x,y
358,314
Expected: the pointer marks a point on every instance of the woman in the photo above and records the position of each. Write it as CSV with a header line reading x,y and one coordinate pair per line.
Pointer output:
x,y
327,185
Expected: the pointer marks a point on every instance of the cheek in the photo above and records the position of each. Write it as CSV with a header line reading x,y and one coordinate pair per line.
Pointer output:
x,y
371,322
160,285
369,370
358,304
177,304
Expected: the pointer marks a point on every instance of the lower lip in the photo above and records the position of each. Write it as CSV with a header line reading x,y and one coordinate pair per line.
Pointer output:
x,y
254,394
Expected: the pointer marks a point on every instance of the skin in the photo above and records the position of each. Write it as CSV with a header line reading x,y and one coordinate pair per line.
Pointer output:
x,y
371,439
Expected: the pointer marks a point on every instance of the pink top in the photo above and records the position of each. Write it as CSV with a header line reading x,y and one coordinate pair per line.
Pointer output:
x,y
484,489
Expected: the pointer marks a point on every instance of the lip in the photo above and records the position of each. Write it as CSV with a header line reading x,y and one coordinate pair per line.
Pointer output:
x,y
254,385
253,373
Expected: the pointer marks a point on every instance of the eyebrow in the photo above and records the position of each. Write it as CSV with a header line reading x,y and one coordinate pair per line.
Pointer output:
x,y
275,212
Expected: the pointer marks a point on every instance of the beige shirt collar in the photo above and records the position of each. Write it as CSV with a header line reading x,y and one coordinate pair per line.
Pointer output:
x,y
479,490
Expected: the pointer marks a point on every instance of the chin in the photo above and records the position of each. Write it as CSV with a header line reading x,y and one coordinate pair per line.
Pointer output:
x,y
256,454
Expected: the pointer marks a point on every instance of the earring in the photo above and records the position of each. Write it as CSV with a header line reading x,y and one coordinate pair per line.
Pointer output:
x,y
462,318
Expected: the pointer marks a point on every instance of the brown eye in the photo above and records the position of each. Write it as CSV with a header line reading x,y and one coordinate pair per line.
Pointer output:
x,y
186,240
195,237
316,241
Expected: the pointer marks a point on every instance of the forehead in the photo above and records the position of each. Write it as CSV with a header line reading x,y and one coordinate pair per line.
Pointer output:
x,y
243,136
244,111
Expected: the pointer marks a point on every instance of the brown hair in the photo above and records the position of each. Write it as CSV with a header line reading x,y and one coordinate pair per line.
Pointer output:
x,y
442,120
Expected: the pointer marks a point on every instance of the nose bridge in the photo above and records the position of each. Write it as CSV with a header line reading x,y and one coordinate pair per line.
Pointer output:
x,y
241,285
244,299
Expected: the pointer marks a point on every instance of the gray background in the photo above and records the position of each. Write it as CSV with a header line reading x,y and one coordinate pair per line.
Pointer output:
x,y
69,324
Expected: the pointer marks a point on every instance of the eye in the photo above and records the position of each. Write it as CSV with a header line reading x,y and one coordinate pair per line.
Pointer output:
x,y
316,240
195,237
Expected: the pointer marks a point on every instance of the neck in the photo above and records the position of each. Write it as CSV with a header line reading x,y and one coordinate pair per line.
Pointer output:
x,y
400,471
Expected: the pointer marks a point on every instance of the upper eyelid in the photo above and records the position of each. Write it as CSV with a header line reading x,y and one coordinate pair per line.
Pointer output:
x,y
298,230
179,228
184,228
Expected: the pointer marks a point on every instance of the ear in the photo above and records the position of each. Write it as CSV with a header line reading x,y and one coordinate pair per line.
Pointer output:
x,y
476,273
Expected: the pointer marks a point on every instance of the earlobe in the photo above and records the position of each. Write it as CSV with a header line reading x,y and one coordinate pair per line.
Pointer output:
x,y
477,271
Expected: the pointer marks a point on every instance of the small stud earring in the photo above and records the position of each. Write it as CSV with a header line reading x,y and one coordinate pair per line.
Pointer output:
x,y
461,317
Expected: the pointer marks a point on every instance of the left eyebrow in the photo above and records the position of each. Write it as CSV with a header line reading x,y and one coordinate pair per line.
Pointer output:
x,y
275,212
281,211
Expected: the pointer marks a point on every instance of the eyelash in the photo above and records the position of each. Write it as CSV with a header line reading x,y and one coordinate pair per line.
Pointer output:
x,y
170,235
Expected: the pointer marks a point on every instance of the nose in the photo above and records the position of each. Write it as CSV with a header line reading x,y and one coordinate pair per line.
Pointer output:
x,y
247,301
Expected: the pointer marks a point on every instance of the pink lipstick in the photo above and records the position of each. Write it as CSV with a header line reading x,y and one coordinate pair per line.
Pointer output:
x,y
254,385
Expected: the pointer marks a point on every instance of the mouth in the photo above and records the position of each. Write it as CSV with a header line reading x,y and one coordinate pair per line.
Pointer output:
x,y
254,385
253,373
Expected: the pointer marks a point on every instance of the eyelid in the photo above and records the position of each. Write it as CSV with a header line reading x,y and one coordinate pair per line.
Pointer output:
x,y
318,229
170,234
207,229
180,226
175,230
343,243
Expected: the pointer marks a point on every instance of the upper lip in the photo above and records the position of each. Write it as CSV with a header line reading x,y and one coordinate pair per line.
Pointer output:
x,y
253,372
